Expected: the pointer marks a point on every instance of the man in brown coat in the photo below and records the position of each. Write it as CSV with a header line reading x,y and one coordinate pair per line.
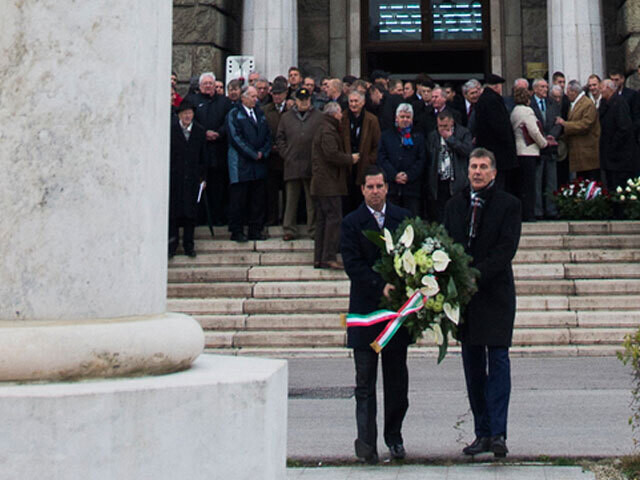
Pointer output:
x,y
582,133
361,134
295,134
275,183
330,164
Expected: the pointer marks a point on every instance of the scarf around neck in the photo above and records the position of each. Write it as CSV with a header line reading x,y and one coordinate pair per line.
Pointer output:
x,y
405,136
477,202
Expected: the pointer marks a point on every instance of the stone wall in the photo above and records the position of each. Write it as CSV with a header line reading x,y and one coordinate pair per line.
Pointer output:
x,y
205,32
534,32
313,37
613,35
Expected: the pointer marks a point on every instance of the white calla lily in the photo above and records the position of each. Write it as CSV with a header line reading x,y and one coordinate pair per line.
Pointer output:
x,y
431,286
452,312
388,241
408,262
407,236
440,260
437,334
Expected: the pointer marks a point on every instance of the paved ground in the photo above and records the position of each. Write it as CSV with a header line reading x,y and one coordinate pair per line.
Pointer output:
x,y
416,472
560,407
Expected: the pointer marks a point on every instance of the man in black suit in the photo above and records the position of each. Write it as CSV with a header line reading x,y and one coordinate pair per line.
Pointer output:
x,y
486,221
546,171
187,170
367,288
494,132
618,148
631,97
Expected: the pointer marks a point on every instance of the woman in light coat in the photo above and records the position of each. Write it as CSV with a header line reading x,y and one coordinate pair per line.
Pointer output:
x,y
529,141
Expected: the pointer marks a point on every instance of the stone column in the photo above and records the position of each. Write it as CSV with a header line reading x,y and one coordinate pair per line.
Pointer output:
x,y
84,123
576,38
270,34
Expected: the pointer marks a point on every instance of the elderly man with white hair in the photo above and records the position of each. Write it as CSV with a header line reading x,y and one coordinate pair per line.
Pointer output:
x,y
211,111
402,156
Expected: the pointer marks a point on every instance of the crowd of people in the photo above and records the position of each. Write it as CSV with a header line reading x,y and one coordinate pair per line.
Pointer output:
x,y
295,149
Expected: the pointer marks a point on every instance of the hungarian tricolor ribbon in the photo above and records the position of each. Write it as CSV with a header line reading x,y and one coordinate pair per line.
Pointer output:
x,y
593,190
394,319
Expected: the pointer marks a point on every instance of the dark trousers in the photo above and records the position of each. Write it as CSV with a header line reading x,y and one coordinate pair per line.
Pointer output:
x,y
217,192
354,197
275,185
188,227
410,203
617,178
488,391
247,197
526,185
327,235
434,207
396,387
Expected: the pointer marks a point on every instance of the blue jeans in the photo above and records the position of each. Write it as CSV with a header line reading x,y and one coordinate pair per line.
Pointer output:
x,y
488,390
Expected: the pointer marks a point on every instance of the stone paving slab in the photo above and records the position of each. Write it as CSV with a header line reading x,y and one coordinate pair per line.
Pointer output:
x,y
456,472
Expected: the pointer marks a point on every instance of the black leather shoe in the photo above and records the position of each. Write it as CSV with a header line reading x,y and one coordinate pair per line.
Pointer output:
x,y
366,453
191,253
499,446
397,451
239,237
479,445
258,236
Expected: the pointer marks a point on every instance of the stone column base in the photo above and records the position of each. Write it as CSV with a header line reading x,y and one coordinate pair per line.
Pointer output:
x,y
33,350
224,418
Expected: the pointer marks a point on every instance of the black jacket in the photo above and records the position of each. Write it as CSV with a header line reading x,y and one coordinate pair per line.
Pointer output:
x,y
489,317
424,118
187,168
359,255
632,97
493,129
393,158
211,113
618,148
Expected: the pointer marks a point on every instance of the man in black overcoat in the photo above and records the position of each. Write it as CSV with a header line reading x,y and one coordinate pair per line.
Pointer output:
x,y
367,288
486,220
618,148
188,143
211,112
494,132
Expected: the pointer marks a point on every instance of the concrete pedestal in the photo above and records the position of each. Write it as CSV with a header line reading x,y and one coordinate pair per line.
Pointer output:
x,y
225,418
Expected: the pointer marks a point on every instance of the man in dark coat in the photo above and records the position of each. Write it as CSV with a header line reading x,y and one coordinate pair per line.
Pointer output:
x,y
275,182
402,157
187,168
367,288
249,147
211,111
494,132
618,148
631,96
330,164
546,170
487,222
448,150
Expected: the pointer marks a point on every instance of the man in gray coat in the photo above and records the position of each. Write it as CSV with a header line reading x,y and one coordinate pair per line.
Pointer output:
x,y
294,138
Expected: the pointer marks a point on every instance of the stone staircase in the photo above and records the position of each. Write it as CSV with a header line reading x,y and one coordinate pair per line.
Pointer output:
x,y
578,286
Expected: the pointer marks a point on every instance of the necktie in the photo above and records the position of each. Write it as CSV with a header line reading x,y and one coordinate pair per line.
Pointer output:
x,y
541,104
379,216
470,110
253,116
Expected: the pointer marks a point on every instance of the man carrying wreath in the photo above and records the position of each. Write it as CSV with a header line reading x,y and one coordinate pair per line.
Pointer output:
x,y
487,222
359,255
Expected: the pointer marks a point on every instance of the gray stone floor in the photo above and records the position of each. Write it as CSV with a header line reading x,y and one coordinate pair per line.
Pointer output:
x,y
417,472
560,407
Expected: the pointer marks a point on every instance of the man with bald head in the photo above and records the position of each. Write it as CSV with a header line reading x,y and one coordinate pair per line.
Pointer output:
x,y
618,148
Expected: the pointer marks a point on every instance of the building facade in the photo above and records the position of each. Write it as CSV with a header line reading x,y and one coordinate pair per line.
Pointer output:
x,y
452,40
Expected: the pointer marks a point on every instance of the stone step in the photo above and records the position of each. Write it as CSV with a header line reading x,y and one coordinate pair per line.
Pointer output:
x,y
310,321
296,305
222,322
245,258
608,318
301,289
295,273
534,228
604,302
209,306
599,336
602,271
208,274
210,290
315,338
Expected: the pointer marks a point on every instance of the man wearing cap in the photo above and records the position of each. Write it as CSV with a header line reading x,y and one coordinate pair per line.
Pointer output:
x,y
275,183
187,170
293,140
494,132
